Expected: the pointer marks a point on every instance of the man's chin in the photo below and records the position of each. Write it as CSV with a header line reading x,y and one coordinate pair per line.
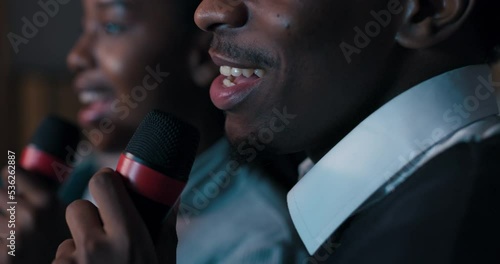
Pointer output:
x,y
245,153
247,147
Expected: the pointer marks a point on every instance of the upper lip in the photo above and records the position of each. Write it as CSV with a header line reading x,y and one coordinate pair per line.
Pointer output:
x,y
221,60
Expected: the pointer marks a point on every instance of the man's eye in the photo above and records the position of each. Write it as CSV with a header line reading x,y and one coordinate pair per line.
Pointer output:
x,y
113,28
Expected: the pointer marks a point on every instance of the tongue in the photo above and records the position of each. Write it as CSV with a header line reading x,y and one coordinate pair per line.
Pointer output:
x,y
243,79
96,109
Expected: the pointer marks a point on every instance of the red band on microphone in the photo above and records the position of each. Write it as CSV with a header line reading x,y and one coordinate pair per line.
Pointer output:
x,y
150,183
40,162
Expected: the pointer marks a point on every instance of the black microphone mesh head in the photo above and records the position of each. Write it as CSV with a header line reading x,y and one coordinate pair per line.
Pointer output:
x,y
166,144
54,135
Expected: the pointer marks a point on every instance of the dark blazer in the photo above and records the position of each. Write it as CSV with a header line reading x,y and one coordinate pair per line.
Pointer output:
x,y
448,211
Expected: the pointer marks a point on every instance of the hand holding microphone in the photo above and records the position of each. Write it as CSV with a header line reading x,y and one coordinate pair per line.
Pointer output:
x,y
39,215
46,154
133,201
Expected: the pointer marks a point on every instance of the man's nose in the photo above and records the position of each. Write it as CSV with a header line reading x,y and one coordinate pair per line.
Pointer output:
x,y
217,14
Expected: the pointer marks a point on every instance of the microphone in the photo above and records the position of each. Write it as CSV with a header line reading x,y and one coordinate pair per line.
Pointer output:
x,y
156,165
46,153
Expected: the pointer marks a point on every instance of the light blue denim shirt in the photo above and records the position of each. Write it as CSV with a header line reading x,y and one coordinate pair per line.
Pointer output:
x,y
234,214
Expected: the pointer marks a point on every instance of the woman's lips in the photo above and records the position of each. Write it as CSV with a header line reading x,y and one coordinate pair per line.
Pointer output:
x,y
96,105
227,97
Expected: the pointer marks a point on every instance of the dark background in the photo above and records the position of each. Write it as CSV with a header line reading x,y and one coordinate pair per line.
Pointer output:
x,y
35,81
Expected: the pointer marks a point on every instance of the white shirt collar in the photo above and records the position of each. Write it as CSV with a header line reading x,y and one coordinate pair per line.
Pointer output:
x,y
383,144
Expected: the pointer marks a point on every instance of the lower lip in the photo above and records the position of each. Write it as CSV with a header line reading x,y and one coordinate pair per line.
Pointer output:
x,y
91,114
226,98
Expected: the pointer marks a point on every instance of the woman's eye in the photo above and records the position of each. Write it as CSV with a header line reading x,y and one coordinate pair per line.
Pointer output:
x,y
113,28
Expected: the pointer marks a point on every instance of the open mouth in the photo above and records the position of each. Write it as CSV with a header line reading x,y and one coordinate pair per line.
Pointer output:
x,y
236,75
97,102
237,81
90,96
233,86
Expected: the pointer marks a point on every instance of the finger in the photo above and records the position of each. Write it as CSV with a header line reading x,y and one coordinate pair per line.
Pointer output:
x,y
35,188
4,199
6,202
65,260
83,221
66,248
5,174
4,227
23,210
115,206
4,256
7,180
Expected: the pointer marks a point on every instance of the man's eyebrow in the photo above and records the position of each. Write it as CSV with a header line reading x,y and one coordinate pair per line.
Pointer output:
x,y
114,3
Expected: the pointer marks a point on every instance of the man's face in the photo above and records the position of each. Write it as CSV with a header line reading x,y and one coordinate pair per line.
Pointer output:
x,y
296,44
121,67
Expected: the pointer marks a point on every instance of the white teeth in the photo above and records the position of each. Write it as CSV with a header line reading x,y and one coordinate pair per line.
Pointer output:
x,y
247,72
236,72
225,70
231,73
228,83
88,97
259,73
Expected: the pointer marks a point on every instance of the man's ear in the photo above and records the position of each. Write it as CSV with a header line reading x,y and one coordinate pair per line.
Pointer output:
x,y
429,22
201,67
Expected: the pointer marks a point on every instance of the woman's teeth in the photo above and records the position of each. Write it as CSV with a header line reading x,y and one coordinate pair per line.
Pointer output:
x,y
231,73
88,97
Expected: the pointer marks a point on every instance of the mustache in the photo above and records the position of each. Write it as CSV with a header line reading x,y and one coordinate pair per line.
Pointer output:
x,y
249,54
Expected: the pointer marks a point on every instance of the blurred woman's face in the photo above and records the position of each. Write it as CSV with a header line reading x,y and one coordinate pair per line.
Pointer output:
x,y
120,66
